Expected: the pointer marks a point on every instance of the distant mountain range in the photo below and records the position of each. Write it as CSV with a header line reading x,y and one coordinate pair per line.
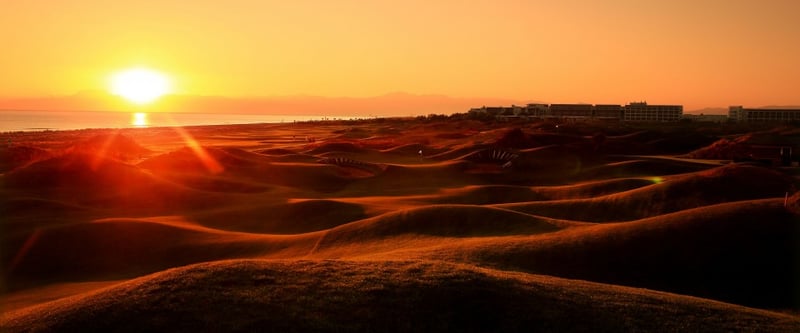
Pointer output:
x,y
393,104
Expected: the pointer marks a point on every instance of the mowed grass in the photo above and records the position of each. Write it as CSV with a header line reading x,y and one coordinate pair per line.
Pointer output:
x,y
386,296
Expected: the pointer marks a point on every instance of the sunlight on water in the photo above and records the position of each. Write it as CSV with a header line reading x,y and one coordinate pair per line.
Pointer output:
x,y
139,119
72,120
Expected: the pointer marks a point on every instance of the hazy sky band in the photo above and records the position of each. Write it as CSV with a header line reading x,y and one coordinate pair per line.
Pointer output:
x,y
696,53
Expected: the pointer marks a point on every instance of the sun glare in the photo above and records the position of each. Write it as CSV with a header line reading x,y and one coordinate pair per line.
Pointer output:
x,y
140,85
139,119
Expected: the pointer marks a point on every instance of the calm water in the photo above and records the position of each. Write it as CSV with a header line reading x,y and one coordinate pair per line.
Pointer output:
x,y
70,120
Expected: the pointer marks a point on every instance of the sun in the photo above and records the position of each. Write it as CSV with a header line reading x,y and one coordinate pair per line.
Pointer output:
x,y
140,85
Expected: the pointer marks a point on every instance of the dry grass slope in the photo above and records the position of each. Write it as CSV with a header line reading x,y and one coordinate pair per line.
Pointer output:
x,y
439,221
446,240
743,252
665,195
282,218
406,296
122,248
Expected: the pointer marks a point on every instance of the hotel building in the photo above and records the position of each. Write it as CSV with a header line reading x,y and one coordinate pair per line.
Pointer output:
x,y
571,110
608,111
632,112
641,111
741,114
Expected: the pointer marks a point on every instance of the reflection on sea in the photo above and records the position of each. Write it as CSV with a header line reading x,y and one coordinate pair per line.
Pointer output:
x,y
139,119
12,120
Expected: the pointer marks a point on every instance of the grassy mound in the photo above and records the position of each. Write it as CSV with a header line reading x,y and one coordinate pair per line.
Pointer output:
x,y
123,248
743,252
639,168
438,221
76,169
409,296
16,156
329,147
111,145
282,218
665,195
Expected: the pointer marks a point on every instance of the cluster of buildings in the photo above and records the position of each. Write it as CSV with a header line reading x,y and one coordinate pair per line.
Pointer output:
x,y
741,114
637,111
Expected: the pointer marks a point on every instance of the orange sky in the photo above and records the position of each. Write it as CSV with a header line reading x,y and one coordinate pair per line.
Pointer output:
x,y
696,53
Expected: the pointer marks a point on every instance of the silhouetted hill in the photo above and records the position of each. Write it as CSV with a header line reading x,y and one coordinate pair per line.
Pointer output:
x,y
393,296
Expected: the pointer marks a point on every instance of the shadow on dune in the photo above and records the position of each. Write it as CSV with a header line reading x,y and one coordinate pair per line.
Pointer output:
x,y
633,167
334,147
405,180
113,145
499,194
438,221
81,179
77,169
665,195
518,139
742,252
649,142
486,194
242,171
17,156
284,218
122,248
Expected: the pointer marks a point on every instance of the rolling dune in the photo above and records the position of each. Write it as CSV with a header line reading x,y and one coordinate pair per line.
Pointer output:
x,y
384,296
741,252
346,226
439,221
639,168
124,247
17,156
666,195
282,217
87,180
496,194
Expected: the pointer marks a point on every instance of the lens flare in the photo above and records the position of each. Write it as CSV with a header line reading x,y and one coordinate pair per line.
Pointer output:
x,y
208,161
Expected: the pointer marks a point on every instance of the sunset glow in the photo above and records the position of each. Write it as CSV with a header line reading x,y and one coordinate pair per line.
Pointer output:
x,y
402,166
695,53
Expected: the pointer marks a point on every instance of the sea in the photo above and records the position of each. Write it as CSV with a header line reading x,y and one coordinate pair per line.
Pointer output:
x,y
18,120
